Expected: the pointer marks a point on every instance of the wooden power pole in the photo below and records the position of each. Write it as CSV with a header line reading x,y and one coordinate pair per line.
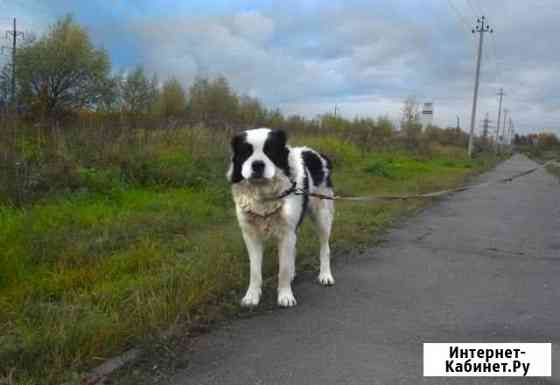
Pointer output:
x,y
481,28
501,95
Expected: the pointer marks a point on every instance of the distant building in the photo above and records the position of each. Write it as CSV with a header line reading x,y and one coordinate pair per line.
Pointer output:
x,y
427,114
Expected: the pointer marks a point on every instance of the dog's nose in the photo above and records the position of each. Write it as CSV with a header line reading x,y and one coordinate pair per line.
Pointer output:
x,y
258,168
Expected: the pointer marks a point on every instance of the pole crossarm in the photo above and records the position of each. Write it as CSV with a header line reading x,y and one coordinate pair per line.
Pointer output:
x,y
482,26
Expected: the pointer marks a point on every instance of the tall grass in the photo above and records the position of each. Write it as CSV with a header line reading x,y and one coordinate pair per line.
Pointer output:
x,y
42,161
94,151
107,237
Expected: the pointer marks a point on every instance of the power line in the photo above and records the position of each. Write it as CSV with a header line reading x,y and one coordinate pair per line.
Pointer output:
x,y
458,13
494,50
462,22
495,54
472,8
480,7
461,19
485,126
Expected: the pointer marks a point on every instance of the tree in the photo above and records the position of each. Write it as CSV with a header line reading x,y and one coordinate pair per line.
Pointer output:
x,y
198,95
251,112
385,127
548,140
223,103
61,71
5,85
173,100
333,122
410,126
213,102
274,118
295,123
108,100
137,93
410,110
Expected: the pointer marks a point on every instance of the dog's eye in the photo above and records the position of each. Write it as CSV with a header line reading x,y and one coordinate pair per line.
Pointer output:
x,y
243,151
274,152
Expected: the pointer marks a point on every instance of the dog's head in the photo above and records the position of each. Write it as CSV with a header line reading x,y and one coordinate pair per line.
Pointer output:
x,y
258,156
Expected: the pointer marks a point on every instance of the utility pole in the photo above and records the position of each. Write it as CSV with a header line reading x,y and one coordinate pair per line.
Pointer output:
x,y
501,95
485,126
335,108
458,123
15,34
506,111
481,28
511,132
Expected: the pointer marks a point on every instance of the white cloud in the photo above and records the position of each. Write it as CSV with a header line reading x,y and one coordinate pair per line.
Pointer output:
x,y
253,26
306,56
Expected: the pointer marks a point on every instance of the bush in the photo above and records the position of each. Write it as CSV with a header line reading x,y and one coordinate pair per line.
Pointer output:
x,y
100,181
379,167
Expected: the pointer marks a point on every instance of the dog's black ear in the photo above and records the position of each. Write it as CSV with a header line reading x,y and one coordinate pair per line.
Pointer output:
x,y
277,151
241,151
279,137
236,141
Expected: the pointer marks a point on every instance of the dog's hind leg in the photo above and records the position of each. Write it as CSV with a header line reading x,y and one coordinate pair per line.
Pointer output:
x,y
255,249
286,271
322,212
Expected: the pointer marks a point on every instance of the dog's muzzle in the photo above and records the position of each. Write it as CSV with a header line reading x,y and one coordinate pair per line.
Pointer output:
x,y
257,168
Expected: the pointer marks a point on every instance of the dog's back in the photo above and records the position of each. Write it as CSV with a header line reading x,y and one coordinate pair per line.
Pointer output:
x,y
318,166
314,175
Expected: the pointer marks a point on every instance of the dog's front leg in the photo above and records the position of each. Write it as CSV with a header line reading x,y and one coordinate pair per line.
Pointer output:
x,y
286,261
255,249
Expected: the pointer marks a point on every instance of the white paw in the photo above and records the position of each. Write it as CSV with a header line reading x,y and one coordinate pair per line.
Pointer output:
x,y
326,279
286,298
252,298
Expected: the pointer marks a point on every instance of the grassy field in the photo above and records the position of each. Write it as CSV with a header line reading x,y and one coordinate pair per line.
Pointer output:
x,y
554,169
541,155
146,242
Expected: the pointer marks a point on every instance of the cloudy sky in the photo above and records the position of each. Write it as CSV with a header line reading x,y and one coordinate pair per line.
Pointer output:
x,y
306,56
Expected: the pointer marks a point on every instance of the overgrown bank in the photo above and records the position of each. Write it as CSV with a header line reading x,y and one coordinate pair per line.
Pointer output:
x,y
541,148
146,240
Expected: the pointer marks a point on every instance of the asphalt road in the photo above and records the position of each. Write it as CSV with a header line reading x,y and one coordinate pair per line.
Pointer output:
x,y
480,266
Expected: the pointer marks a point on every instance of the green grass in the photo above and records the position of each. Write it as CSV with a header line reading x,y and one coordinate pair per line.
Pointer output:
x,y
84,275
544,155
554,169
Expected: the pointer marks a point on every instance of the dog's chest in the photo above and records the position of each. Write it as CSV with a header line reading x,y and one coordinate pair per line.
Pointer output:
x,y
259,210
272,224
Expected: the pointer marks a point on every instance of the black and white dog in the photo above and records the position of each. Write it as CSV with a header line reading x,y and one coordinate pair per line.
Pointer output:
x,y
263,170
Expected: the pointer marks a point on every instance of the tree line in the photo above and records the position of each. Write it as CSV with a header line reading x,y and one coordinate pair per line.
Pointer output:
x,y
62,75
